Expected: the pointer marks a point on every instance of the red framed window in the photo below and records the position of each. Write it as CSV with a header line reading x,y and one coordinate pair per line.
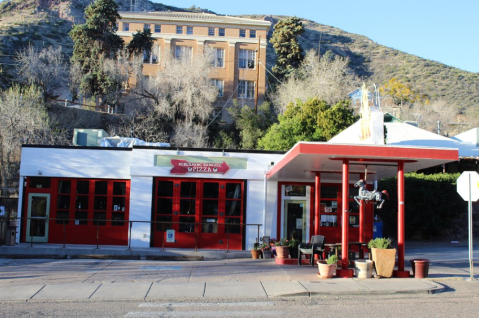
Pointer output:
x,y
216,206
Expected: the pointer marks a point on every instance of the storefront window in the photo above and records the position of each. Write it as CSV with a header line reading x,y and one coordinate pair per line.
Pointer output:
x,y
295,191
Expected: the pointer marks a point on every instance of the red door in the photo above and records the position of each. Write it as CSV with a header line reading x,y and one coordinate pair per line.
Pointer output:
x,y
176,205
216,206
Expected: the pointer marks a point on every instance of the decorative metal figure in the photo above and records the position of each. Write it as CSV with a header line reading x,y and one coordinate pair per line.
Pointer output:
x,y
370,196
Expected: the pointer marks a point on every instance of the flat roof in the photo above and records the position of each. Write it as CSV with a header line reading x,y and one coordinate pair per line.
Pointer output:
x,y
381,161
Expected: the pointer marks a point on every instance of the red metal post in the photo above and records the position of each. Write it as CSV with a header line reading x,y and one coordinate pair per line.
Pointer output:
x,y
344,271
401,216
345,215
317,201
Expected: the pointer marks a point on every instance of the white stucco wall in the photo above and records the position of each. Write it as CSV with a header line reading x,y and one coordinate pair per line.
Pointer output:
x,y
140,210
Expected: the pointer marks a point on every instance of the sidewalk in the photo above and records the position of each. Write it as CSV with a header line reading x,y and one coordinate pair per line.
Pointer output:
x,y
219,275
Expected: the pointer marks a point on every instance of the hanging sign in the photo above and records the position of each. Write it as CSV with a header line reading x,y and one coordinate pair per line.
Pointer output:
x,y
181,166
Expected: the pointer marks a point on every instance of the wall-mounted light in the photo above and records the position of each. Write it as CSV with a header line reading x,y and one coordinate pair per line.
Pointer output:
x,y
177,151
40,172
224,153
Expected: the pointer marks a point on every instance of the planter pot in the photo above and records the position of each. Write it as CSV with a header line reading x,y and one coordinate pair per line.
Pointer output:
x,y
282,251
326,270
420,267
293,252
364,268
255,254
266,254
384,261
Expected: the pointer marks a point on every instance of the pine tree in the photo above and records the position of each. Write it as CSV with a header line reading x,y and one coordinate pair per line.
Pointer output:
x,y
93,42
289,52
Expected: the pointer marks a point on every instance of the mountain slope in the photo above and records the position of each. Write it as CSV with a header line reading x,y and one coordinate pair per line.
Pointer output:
x,y
47,22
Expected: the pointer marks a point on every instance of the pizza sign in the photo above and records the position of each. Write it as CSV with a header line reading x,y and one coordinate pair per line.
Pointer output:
x,y
181,166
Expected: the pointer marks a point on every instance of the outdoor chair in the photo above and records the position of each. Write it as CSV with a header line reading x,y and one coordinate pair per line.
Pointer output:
x,y
316,247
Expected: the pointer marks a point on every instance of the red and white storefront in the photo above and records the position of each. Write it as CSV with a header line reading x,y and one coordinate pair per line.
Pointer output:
x,y
117,196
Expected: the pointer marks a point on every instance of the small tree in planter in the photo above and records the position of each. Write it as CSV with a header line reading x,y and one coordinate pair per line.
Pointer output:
x,y
328,268
384,256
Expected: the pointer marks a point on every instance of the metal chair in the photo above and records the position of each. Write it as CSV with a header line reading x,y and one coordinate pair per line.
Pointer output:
x,y
316,247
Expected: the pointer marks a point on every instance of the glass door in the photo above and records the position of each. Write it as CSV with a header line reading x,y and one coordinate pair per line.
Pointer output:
x,y
295,219
37,222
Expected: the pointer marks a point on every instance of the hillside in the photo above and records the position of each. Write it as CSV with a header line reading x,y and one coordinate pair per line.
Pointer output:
x,y
47,22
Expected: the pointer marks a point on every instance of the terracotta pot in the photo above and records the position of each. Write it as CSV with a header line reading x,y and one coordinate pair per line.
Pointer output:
x,y
282,251
255,254
420,267
364,268
384,261
326,270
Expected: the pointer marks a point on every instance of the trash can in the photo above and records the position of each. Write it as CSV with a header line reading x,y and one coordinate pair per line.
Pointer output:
x,y
420,267
377,229
11,233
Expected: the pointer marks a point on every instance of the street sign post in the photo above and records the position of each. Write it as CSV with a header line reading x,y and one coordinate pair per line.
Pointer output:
x,y
468,189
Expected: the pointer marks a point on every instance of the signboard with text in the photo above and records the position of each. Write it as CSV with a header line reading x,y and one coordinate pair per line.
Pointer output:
x,y
182,166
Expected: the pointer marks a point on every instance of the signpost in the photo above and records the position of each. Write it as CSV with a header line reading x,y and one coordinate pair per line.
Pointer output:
x,y
468,189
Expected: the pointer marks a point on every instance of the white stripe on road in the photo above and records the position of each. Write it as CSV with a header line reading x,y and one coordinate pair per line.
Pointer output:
x,y
253,313
249,304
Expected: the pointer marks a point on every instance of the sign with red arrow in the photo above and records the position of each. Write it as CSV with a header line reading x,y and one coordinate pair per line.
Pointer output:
x,y
181,166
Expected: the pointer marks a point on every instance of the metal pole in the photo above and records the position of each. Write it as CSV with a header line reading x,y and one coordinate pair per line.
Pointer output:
x,y
129,234
97,235
258,56
345,217
401,216
317,199
471,264
257,238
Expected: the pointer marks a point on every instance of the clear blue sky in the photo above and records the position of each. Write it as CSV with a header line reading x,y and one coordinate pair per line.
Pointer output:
x,y
445,31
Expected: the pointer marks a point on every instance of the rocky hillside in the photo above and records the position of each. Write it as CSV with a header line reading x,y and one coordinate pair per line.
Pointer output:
x,y
47,22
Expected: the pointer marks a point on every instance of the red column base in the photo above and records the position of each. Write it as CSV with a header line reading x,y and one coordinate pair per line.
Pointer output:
x,y
345,273
401,274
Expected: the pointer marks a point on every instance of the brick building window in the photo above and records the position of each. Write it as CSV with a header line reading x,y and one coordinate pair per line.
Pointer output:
x,y
246,89
246,59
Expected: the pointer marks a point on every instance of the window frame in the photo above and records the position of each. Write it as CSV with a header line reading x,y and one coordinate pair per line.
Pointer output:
x,y
219,60
220,85
246,58
211,31
189,30
179,29
146,26
242,33
221,31
180,51
252,34
157,28
125,26
246,89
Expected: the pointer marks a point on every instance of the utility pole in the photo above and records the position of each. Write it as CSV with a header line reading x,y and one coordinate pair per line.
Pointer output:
x,y
257,76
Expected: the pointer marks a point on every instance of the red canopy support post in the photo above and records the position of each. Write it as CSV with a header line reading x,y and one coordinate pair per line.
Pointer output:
x,y
401,223
344,271
317,201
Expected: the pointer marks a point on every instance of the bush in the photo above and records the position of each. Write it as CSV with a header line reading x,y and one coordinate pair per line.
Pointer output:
x,y
431,204
332,259
380,242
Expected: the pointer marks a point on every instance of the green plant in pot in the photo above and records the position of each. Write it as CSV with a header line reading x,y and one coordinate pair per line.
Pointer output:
x,y
328,268
256,251
383,255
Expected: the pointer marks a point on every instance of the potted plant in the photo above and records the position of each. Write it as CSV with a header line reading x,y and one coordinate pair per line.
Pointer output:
x,y
266,250
384,256
328,268
256,251
282,248
293,246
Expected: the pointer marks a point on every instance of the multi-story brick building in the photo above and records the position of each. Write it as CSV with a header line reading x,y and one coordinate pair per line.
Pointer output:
x,y
238,44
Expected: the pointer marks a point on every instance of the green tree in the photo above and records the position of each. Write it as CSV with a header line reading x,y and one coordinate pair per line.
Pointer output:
x,y
402,93
313,120
93,42
252,126
141,42
289,52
